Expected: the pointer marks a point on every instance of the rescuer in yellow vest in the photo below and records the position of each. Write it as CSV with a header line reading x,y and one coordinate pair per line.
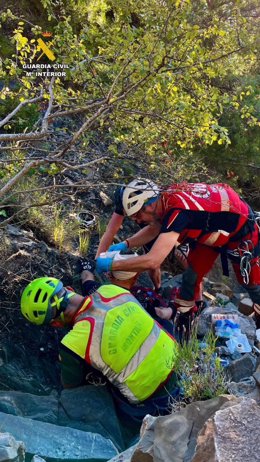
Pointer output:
x,y
110,333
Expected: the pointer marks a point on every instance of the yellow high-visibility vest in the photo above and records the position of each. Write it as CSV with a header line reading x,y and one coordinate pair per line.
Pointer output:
x,y
115,335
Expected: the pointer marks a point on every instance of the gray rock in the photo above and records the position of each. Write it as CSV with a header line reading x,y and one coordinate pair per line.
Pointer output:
x,y
14,230
105,199
58,443
242,388
256,375
177,433
44,408
242,368
37,459
96,412
10,449
247,325
231,435
125,456
168,283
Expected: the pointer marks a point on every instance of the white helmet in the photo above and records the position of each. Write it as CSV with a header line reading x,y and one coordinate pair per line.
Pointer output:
x,y
137,193
120,275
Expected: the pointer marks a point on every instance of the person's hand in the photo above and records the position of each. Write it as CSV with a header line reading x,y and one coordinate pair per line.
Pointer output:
x,y
120,246
155,275
164,313
104,264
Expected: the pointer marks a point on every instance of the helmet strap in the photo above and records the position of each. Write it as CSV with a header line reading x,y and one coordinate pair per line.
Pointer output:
x,y
151,200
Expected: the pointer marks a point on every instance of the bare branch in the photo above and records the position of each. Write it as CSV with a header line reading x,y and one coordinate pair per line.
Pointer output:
x,y
89,122
86,108
36,163
9,185
13,148
76,185
119,75
76,167
8,220
20,105
48,111
152,115
208,61
22,136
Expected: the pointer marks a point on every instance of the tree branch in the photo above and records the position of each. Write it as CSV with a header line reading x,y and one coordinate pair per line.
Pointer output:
x,y
45,121
19,175
86,108
8,220
89,122
36,163
20,105
22,136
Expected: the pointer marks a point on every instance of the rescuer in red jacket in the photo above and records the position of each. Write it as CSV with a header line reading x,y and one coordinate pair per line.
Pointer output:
x,y
212,218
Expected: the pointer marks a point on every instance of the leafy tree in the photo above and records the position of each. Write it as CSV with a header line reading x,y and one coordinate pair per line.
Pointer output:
x,y
239,161
150,75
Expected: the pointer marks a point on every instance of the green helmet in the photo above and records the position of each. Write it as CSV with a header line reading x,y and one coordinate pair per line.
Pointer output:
x,y
40,301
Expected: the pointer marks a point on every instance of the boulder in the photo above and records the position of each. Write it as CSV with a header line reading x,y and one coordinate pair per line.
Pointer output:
x,y
242,368
231,434
218,430
44,408
37,459
10,449
176,434
96,412
59,444
243,387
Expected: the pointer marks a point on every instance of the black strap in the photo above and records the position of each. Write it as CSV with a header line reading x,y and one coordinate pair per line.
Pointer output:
x,y
248,227
224,261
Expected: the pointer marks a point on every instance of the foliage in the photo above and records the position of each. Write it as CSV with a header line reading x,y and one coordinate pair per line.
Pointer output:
x,y
202,376
101,226
58,228
156,77
84,242
239,162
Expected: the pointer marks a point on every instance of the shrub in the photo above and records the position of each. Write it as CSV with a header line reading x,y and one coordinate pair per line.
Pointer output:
x,y
201,373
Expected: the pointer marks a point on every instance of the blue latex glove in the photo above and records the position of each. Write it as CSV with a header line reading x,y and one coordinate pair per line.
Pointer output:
x,y
120,246
103,265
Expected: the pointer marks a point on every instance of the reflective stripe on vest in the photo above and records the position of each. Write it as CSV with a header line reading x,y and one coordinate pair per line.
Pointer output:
x,y
125,343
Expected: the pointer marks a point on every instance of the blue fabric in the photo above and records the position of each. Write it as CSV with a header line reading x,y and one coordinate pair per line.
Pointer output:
x,y
104,265
158,405
120,246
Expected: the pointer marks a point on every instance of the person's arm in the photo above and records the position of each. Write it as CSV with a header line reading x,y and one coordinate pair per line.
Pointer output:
x,y
73,368
75,372
145,235
112,228
153,259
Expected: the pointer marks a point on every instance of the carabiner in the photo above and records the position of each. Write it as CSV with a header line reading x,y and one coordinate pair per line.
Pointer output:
x,y
245,267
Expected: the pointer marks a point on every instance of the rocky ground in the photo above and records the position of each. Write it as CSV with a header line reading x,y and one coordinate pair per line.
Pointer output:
x,y
32,403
